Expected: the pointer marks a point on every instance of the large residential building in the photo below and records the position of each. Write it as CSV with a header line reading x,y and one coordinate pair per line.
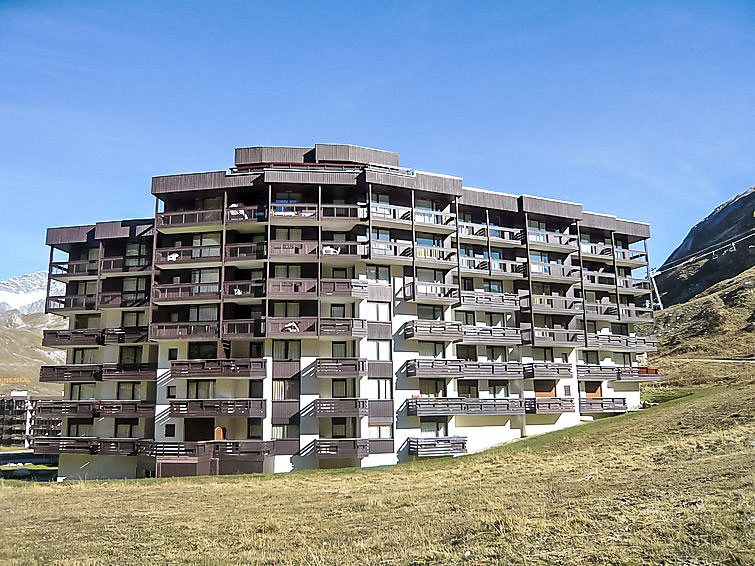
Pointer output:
x,y
324,307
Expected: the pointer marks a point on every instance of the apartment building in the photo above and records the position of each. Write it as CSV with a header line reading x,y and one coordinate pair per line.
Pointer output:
x,y
19,422
325,307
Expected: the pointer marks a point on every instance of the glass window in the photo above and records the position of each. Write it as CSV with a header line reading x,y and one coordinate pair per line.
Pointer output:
x,y
496,354
342,388
465,317
286,309
377,350
254,428
85,356
431,349
201,389
381,431
171,392
378,273
338,311
499,389
339,427
170,430
286,349
466,352
429,312
378,311
130,355
432,388
384,389
290,431
126,428
207,313
127,390
80,427
130,319
432,429
82,391
339,350
203,350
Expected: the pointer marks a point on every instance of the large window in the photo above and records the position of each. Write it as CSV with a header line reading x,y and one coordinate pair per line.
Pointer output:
x,y
127,390
384,389
467,388
377,350
432,388
208,313
431,349
286,349
429,312
289,431
379,273
201,389
433,428
203,350
381,431
254,429
126,428
378,311
85,356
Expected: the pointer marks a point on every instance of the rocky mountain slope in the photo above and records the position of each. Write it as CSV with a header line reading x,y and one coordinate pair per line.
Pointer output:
x,y
26,293
680,282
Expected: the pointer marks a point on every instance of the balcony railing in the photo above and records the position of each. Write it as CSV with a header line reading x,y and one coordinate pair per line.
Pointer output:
x,y
548,405
244,328
507,267
305,249
340,367
246,368
538,238
304,288
609,310
391,212
124,264
445,406
342,212
618,341
244,289
599,405
491,335
326,408
235,214
603,251
129,408
568,273
78,268
434,218
337,248
246,252
432,292
554,337
291,326
632,312
71,303
547,370
76,373
126,335
356,288
284,410
599,279
76,337
497,233
435,447
348,327
135,372
598,372
188,254
186,291
433,330
349,448
122,299
435,254
632,256
490,301
85,445
189,218
632,284
180,330
554,304
218,408
279,211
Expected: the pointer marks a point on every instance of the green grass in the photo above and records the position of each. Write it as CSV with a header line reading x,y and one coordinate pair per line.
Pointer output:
x,y
673,484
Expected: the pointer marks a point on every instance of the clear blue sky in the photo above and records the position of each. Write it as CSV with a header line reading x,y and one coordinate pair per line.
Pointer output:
x,y
641,110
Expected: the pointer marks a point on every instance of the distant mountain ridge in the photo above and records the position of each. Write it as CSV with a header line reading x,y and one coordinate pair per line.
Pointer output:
x,y
26,293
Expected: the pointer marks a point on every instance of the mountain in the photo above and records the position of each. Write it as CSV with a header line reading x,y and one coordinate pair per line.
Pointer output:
x,y
679,282
26,293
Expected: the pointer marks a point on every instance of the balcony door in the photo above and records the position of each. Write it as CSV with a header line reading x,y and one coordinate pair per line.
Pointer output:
x,y
545,388
197,430
433,428
592,389
432,387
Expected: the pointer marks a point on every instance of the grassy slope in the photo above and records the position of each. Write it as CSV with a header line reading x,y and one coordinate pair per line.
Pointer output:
x,y
672,484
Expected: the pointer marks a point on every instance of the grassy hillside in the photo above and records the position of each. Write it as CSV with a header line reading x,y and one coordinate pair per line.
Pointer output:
x,y
719,323
673,484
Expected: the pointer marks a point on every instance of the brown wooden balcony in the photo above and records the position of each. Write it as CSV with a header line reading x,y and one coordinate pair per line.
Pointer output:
x,y
540,239
280,212
497,234
608,311
237,214
59,409
639,373
288,288
66,303
86,445
380,369
547,370
242,329
491,335
76,337
553,304
620,342
342,327
76,373
288,249
80,269
125,264
356,288
348,448
437,447
129,372
292,327
334,249
634,286
245,368
548,405
122,299
493,370
601,405
327,408
597,372
380,411
238,253
490,301
554,337
441,293
433,330
125,335
183,330
101,408
218,408
189,218
433,368
340,367
284,410
239,290
550,272
599,280
446,406
177,292
129,408
180,256
343,213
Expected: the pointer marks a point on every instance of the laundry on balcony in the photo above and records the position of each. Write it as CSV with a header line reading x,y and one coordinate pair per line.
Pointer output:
x,y
292,326
329,250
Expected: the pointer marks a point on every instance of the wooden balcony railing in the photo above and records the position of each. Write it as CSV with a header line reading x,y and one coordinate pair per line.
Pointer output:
x,y
434,218
59,409
436,447
349,327
71,303
493,370
125,335
490,301
553,304
603,251
391,212
610,310
135,372
340,367
356,288
304,288
135,408
246,252
244,289
326,408
78,268
618,341
599,279
125,264
77,373
432,292
599,405
299,211
342,212
284,410
189,218
129,408
548,405
632,284
76,337
547,370
433,330
593,371
187,254
179,330
186,291
218,408
491,335
236,214
244,328
86,445
445,406
348,448
246,368
291,326
122,299
306,249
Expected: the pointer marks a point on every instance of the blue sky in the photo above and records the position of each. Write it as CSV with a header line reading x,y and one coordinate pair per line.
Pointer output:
x,y
644,110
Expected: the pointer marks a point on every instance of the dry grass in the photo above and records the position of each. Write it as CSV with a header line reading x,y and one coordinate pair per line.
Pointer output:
x,y
673,484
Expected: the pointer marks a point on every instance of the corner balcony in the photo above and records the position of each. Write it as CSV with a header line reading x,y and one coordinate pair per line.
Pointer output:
x,y
437,447
481,300
306,250
292,288
445,406
354,288
76,373
71,303
433,330
620,342
552,241
244,368
246,253
602,405
554,337
187,256
183,330
547,370
347,448
175,221
218,408
186,292
548,405
79,269
244,329
340,367
554,272
553,304
86,445
437,293
129,372
76,337
240,291
327,408
493,335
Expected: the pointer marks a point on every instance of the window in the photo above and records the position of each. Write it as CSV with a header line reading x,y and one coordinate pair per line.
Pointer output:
x,y
130,355
425,275
84,356
206,245
381,234
466,352
384,389
127,390
377,350
620,329
429,312
431,349
343,388
290,431
286,349
339,427
207,313
137,255
542,354
131,319
255,389
499,389
87,321
591,358
172,353
288,234
170,430
339,350
495,319
285,389
134,284
491,286
254,428
201,388
545,388
82,391
496,354
203,350
208,280
80,427
381,431
432,388
340,273
465,317
432,428
467,388
379,273
287,271
338,311
286,309
126,428
171,392
378,311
